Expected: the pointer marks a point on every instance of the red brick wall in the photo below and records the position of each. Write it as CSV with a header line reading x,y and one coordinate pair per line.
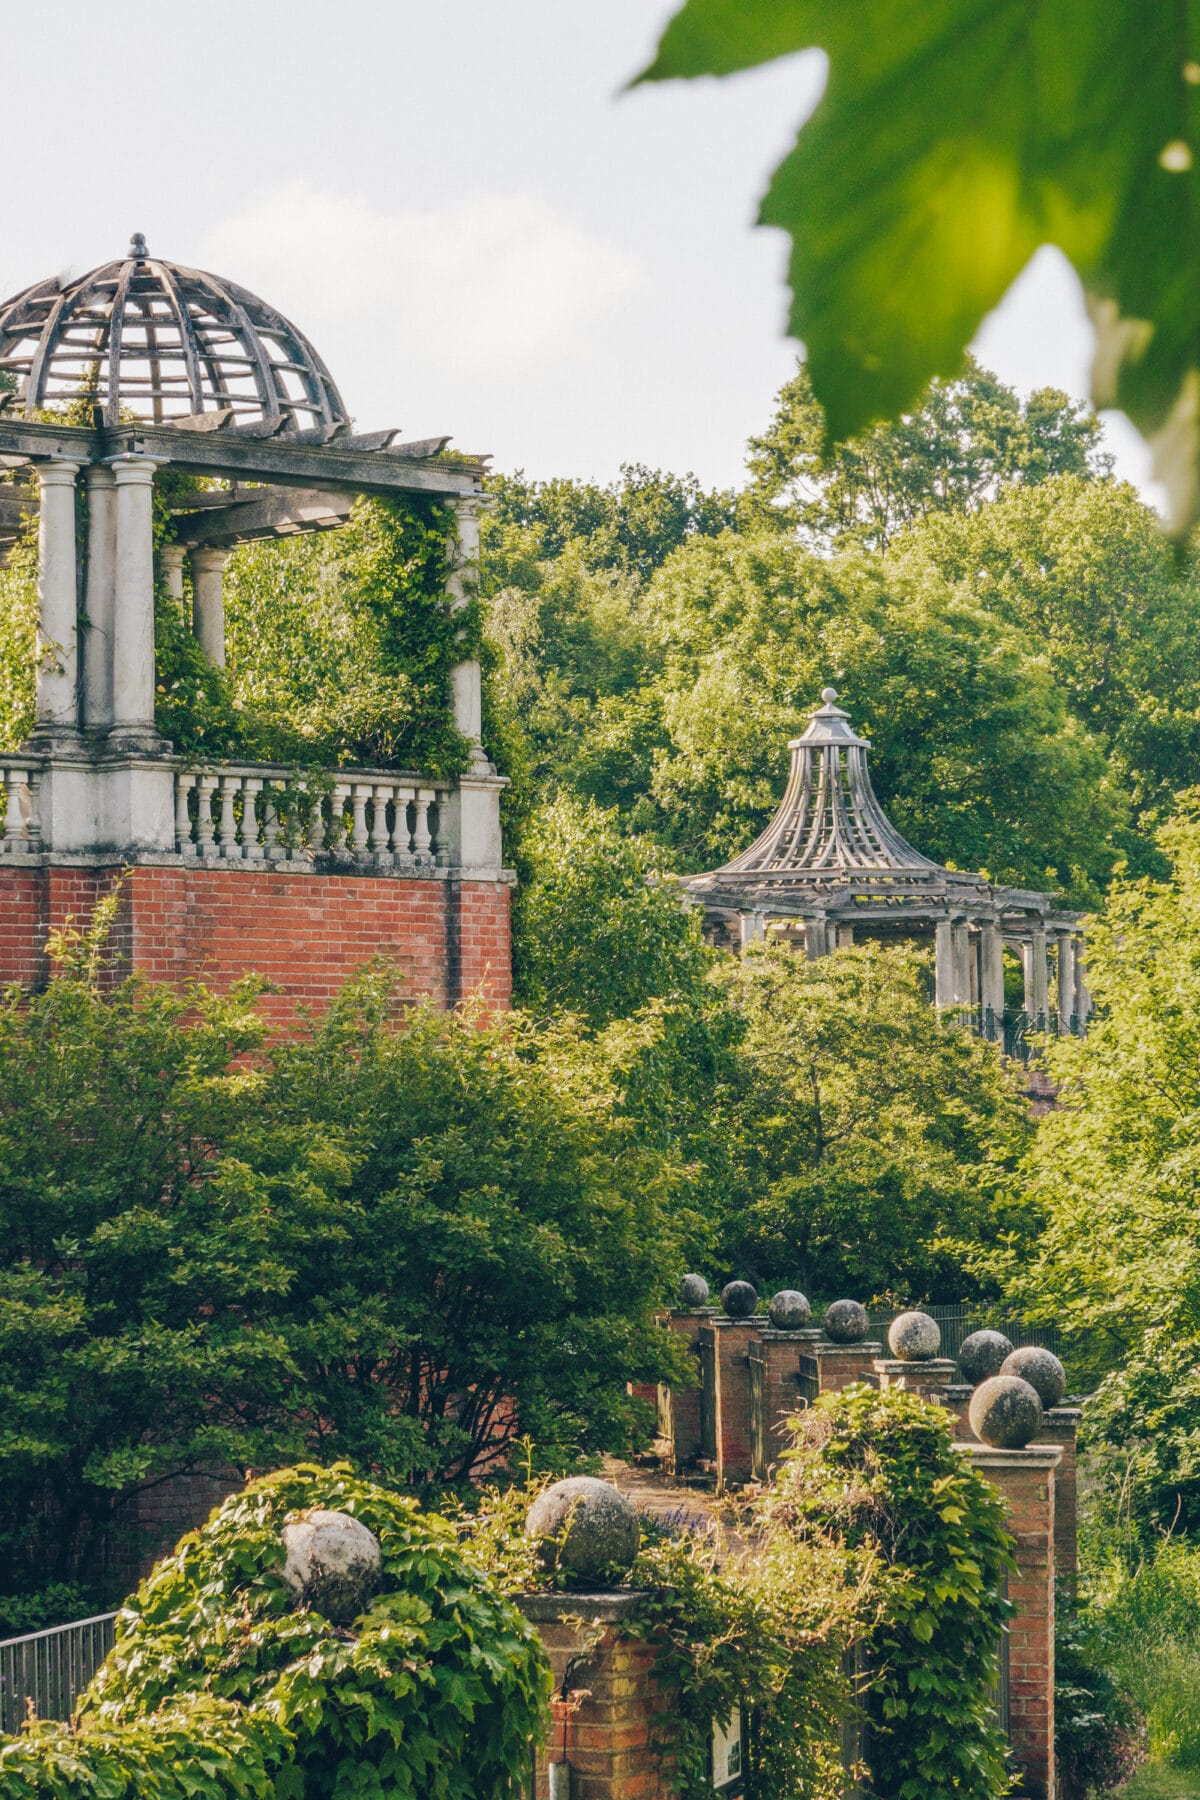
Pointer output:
x,y
306,932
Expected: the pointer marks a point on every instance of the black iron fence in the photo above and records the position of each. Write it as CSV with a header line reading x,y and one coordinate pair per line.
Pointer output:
x,y
1087,1356
1014,1029
44,1672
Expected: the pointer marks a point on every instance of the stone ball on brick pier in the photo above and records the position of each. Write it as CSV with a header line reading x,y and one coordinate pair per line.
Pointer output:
x,y
788,1310
1041,1369
1005,1412
333,1564
983,1354
586,1529
693,1291
846,1322
914,1337
739,1299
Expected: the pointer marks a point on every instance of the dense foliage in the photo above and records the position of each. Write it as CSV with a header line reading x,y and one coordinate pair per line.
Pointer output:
x,y
1098,1732
879,1470
395,1242
1113,1176
220,1685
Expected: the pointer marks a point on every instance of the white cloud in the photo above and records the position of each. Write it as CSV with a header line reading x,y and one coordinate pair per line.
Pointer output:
x,y
471,286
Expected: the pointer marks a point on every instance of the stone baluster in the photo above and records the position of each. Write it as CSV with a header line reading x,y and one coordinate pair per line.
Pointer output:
x,y
205,839
20,810
421,839
337,817
227,832
381,836
184,784
401,834
359,835
252,849
271,848
300,826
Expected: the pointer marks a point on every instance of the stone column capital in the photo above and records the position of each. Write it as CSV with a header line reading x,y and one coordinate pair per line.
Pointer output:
x,y
133,469
58,471
209,558
100,475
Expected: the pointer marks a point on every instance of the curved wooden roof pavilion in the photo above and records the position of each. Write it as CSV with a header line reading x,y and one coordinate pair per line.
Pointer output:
x,y
831,869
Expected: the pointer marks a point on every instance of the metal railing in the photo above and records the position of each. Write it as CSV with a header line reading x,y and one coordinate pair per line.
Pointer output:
x,y
44,1672
1085,1355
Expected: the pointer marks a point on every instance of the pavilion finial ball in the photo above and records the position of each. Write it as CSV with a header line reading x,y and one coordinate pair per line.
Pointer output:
x,y
846,1322
693,1291
829,695
739,1299
1041,1369
982,1355
914,1337
1005,1412
788,1310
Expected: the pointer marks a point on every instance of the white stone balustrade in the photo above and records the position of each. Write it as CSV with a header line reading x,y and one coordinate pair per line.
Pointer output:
x,y
20,830
258,813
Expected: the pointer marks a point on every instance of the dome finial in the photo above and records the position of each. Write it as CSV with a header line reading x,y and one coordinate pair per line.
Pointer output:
x,y
137,247
829,695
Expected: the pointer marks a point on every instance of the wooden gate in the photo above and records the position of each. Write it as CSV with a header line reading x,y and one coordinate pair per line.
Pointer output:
x,y
759,1448
708,1396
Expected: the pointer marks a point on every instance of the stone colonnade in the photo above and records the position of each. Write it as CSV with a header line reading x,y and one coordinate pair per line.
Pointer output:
x,y
95,652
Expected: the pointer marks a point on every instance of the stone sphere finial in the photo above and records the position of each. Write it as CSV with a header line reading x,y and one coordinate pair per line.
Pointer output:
x,y
1041,1369
334,1564
788,1310
829,695
1005,1412
739,1299
586,1528
983,1354
846,1322
693,1291
914,1337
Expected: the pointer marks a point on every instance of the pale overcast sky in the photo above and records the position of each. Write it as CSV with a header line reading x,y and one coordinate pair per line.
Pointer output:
x,y
478,231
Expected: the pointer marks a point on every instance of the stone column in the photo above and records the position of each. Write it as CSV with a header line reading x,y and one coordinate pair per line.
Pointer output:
x,y
1066,978
467,677
816,937
1083,999
133,621
208,602
171,557
100,598
943,956
752,927
845,937
960,939
57,674
1026,1480
1036,972
992,973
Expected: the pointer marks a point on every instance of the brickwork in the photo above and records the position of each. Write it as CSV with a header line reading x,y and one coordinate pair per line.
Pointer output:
x,y
731,1339
306,932
1026,1480
1061,1426
782,1351
153,1521
929,1379
685,1402
841,1365
610,1739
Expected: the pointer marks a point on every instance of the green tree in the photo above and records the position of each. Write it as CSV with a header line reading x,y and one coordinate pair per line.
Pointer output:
x,y
401,1243
967,442
1112,1178
631,525
950,144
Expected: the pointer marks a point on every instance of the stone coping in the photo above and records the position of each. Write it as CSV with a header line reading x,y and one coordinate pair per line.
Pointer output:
x,y
866,1347
318,867
547,1608
1032,1456
937,1366
805,1334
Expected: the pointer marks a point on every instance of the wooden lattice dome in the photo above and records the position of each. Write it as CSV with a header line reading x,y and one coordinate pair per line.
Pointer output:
x,y
147,339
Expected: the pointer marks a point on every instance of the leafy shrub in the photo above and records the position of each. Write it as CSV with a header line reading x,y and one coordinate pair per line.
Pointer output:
x,y
880,1472
1147,1630
1098,1731
218,1685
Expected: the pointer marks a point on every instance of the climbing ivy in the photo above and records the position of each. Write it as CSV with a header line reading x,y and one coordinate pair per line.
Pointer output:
x,y
219,1686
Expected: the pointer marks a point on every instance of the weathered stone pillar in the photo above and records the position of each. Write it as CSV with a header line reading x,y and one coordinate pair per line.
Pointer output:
x,y
782,1351
685,1402
1026,1480
960,939
816,936
929,1378
1036,973
729,1340
1060,1425
943,957
133,619
1066,978
172,558
1083,998
100,598
992,973
841,1365
57,675
467,677
208,601
752,927
845,937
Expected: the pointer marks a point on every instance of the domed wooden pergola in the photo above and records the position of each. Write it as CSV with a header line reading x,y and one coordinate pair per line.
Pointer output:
x,y
831,869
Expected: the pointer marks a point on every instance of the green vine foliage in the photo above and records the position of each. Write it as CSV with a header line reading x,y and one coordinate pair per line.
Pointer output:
x,y
219,1687
880,1470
